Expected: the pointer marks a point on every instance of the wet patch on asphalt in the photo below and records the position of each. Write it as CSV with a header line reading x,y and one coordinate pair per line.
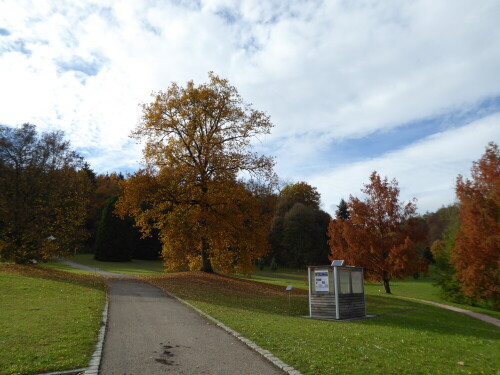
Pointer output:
x,y
166,354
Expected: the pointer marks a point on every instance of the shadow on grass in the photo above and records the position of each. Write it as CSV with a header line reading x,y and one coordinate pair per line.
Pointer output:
x,y
429,318
133,267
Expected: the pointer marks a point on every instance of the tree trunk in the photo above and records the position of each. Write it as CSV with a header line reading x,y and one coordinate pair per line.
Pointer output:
x,y
206,265
386,286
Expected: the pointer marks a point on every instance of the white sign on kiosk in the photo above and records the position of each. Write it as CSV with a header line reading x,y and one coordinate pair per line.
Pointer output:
x,y
321,280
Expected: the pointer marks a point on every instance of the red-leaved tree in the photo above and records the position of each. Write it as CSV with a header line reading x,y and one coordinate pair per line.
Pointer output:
x,y
476,256
380,235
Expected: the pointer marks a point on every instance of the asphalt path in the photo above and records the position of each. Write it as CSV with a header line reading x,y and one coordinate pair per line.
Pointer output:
x,y
91,269
151,333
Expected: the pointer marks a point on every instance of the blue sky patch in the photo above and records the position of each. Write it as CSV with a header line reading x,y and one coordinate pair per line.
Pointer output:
x,y
4,32
381,142
78,64
15,46
228,15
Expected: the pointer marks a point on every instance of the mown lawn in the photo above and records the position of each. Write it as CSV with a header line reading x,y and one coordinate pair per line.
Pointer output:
x,y
49,319
405,338
424,287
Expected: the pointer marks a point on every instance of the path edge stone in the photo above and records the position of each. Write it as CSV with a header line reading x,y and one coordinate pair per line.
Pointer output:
x,y
66,372
95,361
264,353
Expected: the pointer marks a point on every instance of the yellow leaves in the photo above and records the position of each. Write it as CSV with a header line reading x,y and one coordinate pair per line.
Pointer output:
x,y
196,140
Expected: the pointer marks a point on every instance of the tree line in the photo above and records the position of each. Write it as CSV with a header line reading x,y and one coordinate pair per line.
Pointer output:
x,y
207,201
52,203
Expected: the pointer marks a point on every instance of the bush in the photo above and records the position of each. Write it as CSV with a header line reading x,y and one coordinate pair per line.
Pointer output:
x,y
451,291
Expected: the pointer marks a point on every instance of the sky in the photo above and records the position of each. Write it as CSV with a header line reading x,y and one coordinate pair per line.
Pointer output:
x,y
410,89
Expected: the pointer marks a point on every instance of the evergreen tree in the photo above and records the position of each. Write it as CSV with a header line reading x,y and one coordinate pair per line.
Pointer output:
x,y
113,236
342,211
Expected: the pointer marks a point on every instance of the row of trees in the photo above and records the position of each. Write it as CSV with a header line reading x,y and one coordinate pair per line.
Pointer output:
x,y
45,192
211,201
387,237
52,202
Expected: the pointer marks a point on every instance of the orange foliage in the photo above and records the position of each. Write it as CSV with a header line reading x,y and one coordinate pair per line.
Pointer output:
x,y
380,234
197,141
476,256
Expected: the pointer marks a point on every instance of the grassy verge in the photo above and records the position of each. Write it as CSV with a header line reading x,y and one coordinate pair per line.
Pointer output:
x,y
134,267
423,287
405,338
48,319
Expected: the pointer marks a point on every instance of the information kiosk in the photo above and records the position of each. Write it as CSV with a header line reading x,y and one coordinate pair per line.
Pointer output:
x,y
336,292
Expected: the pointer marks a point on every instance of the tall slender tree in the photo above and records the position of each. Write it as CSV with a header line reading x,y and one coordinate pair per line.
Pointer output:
x,y
380,234
342,212
114,236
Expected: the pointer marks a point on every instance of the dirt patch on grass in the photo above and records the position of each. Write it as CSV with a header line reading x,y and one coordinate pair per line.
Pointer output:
x,y
201,281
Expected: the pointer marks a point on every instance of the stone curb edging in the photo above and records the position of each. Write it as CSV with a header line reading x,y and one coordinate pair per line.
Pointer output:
x,y
265,353
67,372
95,361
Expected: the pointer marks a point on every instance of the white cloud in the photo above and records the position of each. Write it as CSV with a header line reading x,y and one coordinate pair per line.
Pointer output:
x,y
425,170
324,70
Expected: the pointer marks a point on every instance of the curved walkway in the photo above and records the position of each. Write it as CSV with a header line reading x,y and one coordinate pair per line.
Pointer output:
x,y
150,332
483,317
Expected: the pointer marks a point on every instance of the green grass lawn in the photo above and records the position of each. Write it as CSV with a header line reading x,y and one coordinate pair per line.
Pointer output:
x,y
134,267
424,287
406,337
49,319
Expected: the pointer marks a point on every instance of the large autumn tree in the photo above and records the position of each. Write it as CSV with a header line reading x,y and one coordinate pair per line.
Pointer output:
x,y
197,148
476,257
44,194
380,235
